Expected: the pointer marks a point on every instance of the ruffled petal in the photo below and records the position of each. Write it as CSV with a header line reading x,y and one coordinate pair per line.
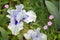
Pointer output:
x,y
43,36
31,16
27,36
36,38
20,16
19,7
15,28
35,35
30,31
10,11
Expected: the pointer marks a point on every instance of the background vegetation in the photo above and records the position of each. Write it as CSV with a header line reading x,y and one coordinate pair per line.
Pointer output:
x,y
40,8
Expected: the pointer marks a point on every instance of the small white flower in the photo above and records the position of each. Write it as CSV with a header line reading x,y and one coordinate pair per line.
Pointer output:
x,y
17,16
49,23
6,6
45,27
51,17
35,35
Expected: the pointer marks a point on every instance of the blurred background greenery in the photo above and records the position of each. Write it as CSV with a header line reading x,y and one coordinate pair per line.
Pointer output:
x,y
42,12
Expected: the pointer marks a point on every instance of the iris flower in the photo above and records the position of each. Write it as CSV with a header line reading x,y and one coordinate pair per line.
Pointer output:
x,y
18,16
35,35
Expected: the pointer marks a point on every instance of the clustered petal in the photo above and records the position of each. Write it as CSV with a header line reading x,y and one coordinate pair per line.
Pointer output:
x,y
35,35
17,16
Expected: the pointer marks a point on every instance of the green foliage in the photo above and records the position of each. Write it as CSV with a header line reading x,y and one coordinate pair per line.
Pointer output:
x,y
3,34
58,36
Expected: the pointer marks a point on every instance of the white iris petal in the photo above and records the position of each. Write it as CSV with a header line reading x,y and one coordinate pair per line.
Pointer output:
x,y
19,7
35,35
31,16
44,37
15,28
27,36
19,16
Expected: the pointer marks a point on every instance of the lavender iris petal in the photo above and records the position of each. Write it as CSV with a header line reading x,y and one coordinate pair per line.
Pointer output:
x,y
19,7
15,13
26,17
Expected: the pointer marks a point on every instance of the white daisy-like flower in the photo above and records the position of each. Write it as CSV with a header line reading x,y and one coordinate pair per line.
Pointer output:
x,y
35,35
17,16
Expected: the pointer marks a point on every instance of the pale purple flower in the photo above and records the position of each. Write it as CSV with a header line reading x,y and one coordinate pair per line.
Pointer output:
x,y
35,35
49,23
51,17
6,6
45,27
18,16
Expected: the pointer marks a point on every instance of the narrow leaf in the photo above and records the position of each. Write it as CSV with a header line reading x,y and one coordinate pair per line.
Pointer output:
x,y
4,34
54,11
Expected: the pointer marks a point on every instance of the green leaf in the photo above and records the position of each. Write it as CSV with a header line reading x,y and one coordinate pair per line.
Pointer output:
x,y
59,6
58,36
54,11
3,34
